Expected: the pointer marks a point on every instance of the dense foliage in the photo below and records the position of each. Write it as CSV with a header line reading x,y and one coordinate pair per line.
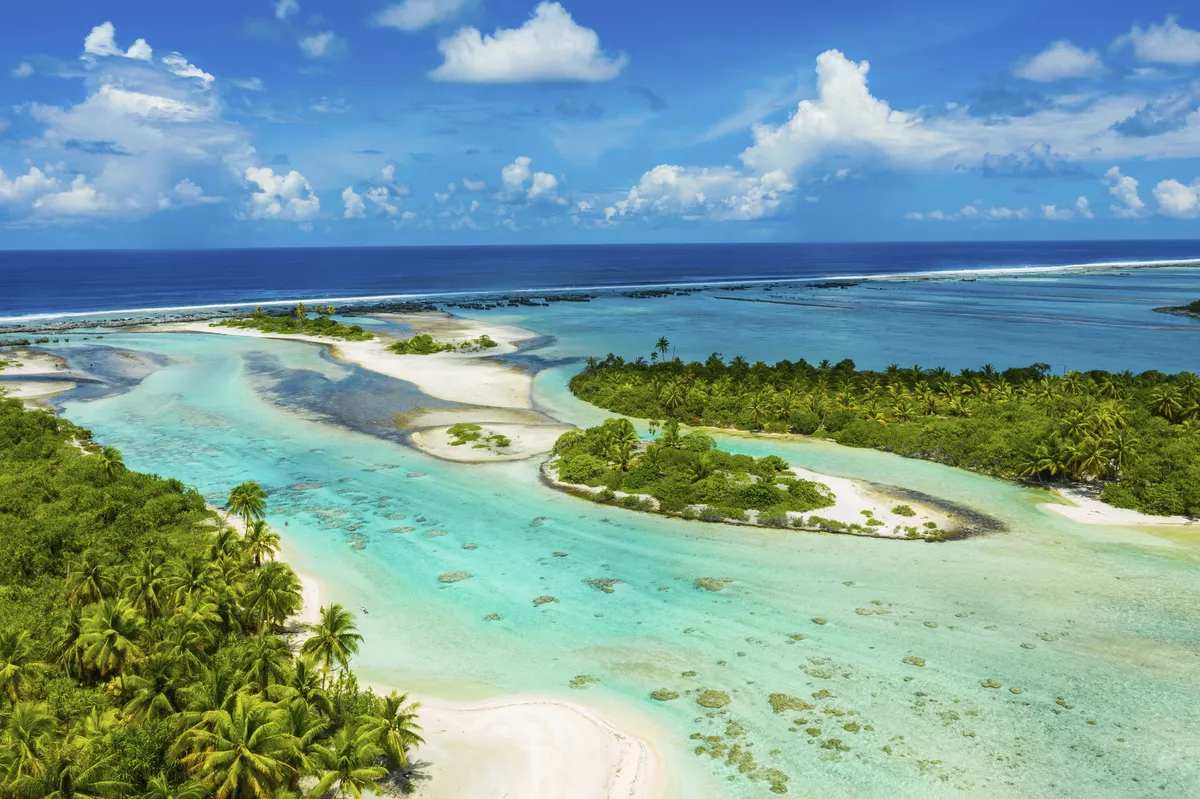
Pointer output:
x,y
1136,435
298,322
140,646
682,472
425,344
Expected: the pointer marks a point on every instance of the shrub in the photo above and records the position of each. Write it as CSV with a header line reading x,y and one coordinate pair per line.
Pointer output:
x,y
904,510
805,422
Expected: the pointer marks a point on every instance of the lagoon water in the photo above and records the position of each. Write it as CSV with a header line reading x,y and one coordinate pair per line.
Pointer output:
x,y
1098,628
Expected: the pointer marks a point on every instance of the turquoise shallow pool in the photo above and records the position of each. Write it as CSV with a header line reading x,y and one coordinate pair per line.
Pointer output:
x,y
1106,619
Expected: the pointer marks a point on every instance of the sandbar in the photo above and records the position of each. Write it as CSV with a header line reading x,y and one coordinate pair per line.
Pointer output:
x,y
1085,509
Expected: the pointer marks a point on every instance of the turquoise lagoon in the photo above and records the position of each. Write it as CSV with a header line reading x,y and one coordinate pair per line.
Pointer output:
x,y
1098,628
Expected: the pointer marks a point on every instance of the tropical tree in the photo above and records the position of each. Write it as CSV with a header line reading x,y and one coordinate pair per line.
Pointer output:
x,y
348,762
17,665
273,595
248,500
152,691
110,636
89,581
260,542
333,639
662,345
240,754
399,728
111,463
29,727
266,662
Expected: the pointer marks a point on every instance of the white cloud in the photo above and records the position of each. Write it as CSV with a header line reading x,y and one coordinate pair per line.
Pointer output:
x,y
413,15
1178,200
1056,214
22,70
321,45
178,65
186,194
474,185
287,198
1083,207
544,188
549,46
1060,61
286,8
80,199
514,175
721,193
1167,43
975,214
353,201
24,189
102,41
1125,189
249,84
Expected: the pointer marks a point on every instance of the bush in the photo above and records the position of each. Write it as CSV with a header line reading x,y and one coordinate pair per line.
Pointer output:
x,y
835,422
904,510
805,423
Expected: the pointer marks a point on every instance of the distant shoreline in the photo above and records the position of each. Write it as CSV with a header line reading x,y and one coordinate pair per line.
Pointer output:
x,y
486,299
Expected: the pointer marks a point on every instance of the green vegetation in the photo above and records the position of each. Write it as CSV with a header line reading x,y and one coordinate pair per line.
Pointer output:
x,y
425,344
682,474
464,433
298,322
1193,307
140,643
1136,436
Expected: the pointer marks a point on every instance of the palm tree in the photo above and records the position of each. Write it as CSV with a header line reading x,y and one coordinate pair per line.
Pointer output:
x,y
305,684
16,663
161,788
266,662
67,635
260,542
192,577
89,581
334,638
673,395
29,727
248,500
111,462
240,754
662,345
67,776
1165,401
347,762
400,729
110,636
1122,447
274,595
145,587
153,689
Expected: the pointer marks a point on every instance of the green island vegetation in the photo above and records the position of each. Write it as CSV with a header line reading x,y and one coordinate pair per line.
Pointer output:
x,y
142,648
298,322
465,433
425,344
683,474
1135,438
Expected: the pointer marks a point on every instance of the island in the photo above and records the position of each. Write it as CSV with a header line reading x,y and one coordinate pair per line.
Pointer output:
x,y
686,475
1192,309
1131,440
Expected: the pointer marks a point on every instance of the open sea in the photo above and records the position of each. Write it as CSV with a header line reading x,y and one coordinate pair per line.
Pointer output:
x,y
1092,632
79,281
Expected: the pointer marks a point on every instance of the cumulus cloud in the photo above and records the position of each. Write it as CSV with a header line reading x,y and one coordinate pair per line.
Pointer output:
x,y
1177,199
549,46
321,45
474,185
1035,161
1177,109
286,8
287,198
102,41
1060,61
178,65
972,213
249,84
22,70
1168,43
379,196
413,15
186,194
721,193
353,202
542,188
1125,189
1082,210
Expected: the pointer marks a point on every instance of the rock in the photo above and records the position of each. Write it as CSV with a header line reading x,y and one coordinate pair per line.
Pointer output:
x,y
712,699
664,695
470,546
989,683
782,702
583,681
1016,690
1029,646
931,624
402,529
492,617
603,584
416,474
542,600
913,660
560,554
435,533
864,611
819,620
453,577
713,583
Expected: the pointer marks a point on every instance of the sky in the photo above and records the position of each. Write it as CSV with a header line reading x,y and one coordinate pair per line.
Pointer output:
x,y
242,123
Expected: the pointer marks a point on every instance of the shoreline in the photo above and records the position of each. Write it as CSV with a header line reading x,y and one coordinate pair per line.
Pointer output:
x,y
68,320
1086,509
520,745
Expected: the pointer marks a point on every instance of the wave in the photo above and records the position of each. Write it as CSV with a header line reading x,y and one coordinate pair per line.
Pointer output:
x,y
994,271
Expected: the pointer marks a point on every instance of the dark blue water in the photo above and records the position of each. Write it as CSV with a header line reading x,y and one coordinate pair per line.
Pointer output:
x,y
71,282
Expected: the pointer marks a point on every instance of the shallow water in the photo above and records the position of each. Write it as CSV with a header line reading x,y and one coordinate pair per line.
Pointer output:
x,y
1109,618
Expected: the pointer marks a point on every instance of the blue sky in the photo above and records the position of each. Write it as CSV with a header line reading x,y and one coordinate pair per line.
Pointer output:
x,y
320,122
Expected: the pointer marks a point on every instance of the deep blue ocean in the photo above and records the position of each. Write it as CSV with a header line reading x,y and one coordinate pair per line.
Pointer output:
x,y
74,282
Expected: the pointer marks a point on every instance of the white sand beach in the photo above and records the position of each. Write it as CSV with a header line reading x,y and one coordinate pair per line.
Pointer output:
x,y
527,441
854,496
1088,510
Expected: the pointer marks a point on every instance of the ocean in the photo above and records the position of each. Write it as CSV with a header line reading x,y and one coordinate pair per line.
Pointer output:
x,y
74,282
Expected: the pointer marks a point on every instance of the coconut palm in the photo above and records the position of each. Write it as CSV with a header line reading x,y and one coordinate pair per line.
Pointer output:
x,y
260,542
69,777
333,639
248,500
304,683
662,345
152,690
160,787
1166,401
146,587
89,581
266,662
400,729
67,635
29,727
111,462
17,664
347,762
110,635
273,595
240,754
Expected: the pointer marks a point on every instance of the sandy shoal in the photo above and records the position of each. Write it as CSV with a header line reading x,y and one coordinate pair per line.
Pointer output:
x,y
29,363
1088,510
852,497
527,441
34,390
470,378
525,746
